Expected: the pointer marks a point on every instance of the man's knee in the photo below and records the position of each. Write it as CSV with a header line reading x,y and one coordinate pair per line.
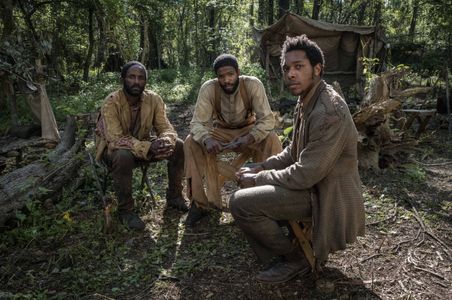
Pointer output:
x,y
122,159
239,203
178,150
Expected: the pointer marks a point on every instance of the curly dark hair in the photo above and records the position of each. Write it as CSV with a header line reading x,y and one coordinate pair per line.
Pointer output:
x,y
302,42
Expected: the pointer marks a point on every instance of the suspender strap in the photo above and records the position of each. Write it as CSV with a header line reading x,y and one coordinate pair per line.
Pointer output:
x,y
243,94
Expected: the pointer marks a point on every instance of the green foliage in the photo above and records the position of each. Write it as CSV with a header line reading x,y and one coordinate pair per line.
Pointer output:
x,y
78,97
286,135
414,173
369,65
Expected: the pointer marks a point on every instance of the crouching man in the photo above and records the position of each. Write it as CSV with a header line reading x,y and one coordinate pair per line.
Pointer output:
x,y
315,177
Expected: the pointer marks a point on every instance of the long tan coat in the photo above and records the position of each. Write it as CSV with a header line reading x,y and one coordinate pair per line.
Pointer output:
x,y
323,158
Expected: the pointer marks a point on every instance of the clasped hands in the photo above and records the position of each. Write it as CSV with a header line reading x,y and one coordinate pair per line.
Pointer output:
x,y
161,148
246,176
214,146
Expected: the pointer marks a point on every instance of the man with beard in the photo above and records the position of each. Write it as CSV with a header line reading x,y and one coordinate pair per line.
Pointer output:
x,y
232,113
124,141
315,178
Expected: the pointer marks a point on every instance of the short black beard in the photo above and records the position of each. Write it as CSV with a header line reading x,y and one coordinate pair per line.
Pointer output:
x,y
236,84
130,92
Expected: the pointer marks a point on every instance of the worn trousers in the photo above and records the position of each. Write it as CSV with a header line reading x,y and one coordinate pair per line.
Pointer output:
x,y
197,159
257,212
122,162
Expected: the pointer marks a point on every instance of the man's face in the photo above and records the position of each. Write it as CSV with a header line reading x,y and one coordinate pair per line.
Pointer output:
x,y
228,78
135,81
299,75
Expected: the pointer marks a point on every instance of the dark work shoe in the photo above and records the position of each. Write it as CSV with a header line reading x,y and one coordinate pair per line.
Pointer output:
x,y
131,220
177,203
284,271
195,214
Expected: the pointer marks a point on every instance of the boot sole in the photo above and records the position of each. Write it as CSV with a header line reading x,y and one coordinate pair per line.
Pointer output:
x,y
302,272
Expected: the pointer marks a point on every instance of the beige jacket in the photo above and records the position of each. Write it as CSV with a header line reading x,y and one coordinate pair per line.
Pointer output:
x,y
323,158
233,110
112,130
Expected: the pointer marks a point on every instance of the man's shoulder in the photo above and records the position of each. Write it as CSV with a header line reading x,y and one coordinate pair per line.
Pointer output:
x,y
112,98
331,102
209,84
151,95
250,80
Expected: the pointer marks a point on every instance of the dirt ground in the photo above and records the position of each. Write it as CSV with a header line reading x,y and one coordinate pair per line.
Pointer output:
x,y
405,254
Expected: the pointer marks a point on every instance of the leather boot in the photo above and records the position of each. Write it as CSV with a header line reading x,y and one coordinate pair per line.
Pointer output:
x,y
195,214
131,220
176,200
294,264
174,196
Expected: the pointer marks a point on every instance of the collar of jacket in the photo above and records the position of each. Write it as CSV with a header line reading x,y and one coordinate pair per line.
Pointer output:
x,y
309,101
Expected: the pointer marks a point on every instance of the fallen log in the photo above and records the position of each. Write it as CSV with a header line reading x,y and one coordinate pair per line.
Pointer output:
x,y
42,179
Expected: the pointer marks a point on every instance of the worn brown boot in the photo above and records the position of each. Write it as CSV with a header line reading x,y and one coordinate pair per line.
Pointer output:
x,y
195,214
294,264
176,200
131,220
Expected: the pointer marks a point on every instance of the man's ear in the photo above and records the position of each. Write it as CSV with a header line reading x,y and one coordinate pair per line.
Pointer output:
x,y
238,72
317,69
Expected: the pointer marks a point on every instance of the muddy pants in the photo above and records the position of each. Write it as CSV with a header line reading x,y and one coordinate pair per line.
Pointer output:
x,y
197,158
122,162
257,211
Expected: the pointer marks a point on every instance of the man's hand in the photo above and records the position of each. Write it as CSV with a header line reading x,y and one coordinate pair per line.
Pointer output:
x,y
252,170
162,148
213,146
247,180
240,143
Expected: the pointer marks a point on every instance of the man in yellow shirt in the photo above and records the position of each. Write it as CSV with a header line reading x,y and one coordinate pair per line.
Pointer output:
x,y
124,140
232,113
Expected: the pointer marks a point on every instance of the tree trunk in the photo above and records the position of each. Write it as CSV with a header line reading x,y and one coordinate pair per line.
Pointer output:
x,y
362,12
6,10
211,24
252,13
271,11
261,13
298,6
56,43
102,43
412,31
89,55
377,13
316,9
39,180
11,99
283,7
144,39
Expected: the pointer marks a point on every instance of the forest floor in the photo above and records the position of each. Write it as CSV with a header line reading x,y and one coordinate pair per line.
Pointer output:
x,y
59,251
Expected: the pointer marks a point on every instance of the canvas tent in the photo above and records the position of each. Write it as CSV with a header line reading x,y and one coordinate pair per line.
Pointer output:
x,y
343,46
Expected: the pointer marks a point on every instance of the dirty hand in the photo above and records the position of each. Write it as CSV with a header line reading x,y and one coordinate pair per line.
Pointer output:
x,y
247,180
240,143
162,148
213,146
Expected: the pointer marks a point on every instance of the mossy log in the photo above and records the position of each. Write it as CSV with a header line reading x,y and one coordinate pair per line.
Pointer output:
x,y
42,179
